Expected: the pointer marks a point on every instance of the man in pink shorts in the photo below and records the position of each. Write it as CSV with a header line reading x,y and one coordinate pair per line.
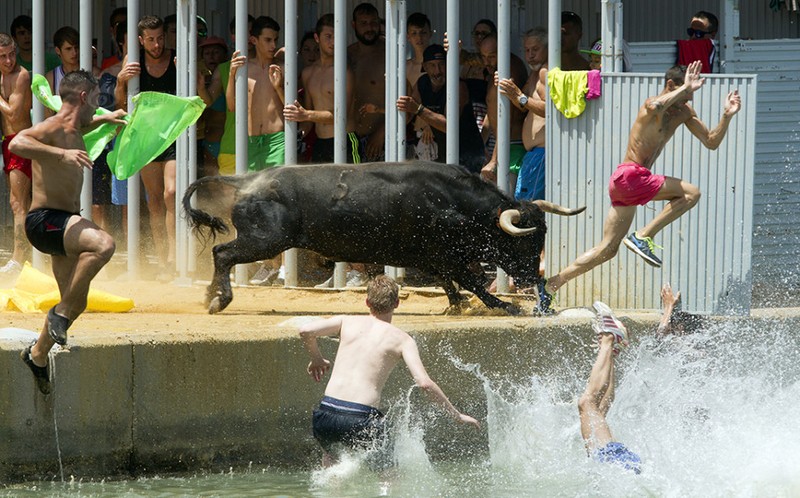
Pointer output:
x,y
633,184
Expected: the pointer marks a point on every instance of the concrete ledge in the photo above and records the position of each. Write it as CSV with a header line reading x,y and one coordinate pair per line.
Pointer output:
x,y
131,404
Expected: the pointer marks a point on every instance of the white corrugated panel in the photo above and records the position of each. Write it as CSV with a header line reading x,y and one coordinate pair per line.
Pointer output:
x,y
776,236
707,251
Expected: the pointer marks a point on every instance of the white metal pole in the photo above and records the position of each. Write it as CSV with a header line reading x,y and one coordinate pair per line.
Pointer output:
x,y
607,35
453,82
391,94
618,43
133,181
553,36
503,113
182,159
290,127
191,241
241,108
400,273
85,48
340,106
38,68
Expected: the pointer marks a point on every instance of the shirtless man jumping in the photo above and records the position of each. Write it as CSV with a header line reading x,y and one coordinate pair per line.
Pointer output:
x,y
369,349
633,184
15,116
78,247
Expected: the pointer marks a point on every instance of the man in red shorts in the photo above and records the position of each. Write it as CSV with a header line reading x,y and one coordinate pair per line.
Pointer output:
x,y
15,116
633,184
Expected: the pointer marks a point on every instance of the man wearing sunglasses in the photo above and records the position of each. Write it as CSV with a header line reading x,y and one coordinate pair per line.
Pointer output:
x,y
704,25
701,44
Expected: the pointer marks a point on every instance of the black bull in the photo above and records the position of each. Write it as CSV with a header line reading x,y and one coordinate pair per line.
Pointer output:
x,y
434,217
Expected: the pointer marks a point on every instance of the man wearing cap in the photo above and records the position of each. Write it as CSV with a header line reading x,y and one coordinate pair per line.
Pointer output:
x,y
428,102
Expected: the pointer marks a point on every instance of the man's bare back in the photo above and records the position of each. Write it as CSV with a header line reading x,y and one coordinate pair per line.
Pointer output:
x,y
369,349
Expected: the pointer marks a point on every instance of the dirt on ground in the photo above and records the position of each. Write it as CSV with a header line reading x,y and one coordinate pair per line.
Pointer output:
x,y
167,308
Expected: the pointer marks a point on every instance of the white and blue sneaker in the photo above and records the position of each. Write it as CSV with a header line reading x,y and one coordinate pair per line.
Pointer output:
x,y
644,247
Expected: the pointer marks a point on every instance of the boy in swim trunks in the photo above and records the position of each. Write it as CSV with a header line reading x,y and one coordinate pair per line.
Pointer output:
x,y
369,349
78,247
266,143
633,184
593,405
15,116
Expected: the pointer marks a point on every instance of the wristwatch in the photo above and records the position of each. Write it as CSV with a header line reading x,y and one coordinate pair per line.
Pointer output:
x,y
523,100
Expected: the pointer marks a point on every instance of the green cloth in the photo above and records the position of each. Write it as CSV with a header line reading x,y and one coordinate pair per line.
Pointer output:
x,y
96,139
158,119
516,154
266,151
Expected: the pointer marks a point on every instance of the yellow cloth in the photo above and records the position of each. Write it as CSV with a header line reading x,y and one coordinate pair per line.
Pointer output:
x,y
568,90
34,291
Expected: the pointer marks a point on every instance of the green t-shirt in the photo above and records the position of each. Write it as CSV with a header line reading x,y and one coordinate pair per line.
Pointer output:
x,y
50,62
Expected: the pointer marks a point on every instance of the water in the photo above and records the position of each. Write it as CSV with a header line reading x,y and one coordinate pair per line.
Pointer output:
x,y
713,414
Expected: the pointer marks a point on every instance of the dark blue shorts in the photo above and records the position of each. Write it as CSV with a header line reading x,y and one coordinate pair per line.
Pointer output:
x,y
352,425
45,230
619,454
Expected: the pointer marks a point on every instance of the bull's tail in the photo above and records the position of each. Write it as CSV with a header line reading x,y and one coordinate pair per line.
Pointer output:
x,y
197,218
549,207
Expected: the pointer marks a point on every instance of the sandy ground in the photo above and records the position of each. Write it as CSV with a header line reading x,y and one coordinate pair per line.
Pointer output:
x,y
171,309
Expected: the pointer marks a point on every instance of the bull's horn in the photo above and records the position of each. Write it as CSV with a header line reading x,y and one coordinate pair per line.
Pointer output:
x,y
550,207
507,220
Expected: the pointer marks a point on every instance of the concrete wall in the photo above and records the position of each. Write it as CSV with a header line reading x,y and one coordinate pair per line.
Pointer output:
x,y
136,405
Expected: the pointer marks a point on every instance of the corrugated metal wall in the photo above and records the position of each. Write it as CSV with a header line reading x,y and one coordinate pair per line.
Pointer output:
x,y
707,251
776,210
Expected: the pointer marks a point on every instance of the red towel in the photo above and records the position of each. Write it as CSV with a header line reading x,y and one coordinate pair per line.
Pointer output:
x,y
696,50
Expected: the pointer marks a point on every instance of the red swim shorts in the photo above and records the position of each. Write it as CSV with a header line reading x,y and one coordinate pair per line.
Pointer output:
x,y
632,185
13,161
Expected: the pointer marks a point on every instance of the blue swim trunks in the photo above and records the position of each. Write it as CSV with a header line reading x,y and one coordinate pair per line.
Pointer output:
x,y
619,454
530,182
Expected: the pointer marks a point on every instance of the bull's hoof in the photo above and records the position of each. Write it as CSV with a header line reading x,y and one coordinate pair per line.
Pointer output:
x,y
214,306
513,309
455,309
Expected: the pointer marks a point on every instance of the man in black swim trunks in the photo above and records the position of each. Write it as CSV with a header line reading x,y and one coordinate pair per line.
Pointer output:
x,y
78,247
369,349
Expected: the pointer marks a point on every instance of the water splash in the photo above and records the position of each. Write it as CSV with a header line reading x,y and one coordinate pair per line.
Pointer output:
x,y
710,414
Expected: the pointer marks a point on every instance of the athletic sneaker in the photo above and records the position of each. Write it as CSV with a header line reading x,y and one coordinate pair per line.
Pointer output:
x,y
606,323
264,276
356,279
328,284
40,374
544,305
644,247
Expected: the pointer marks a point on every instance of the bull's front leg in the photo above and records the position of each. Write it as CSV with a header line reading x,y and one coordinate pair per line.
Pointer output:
x,y
477,285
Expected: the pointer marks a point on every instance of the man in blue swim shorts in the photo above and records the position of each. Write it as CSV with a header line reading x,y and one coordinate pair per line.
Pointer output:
x,y
593,405
369,349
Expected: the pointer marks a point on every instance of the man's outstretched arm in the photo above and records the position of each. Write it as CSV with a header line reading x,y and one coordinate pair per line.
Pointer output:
x,y
414,363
